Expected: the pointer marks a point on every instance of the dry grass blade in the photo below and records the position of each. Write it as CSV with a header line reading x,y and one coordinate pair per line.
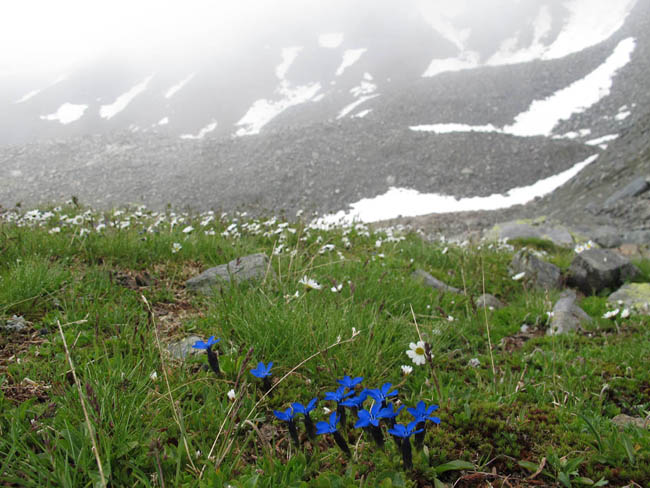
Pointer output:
x,y
91,431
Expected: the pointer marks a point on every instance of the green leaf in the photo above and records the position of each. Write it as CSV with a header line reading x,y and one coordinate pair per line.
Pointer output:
x,y
438,484
583,481
454,466
564,479
528,465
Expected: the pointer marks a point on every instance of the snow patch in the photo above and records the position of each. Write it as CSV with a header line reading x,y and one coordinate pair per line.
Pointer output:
x,y
201,134
67,113
163,121
363,92
178,86
467,60
289,55
109,111
410,203
362,114
602,140
350,56
29,95
543,115
331,40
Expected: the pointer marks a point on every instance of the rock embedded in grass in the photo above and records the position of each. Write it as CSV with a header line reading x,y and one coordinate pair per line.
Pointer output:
x,y
633,295
596,269
181,349
489,301
246,268
426,279
536,271
567,315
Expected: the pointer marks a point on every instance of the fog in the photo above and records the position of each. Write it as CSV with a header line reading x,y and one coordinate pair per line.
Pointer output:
x,y
43,37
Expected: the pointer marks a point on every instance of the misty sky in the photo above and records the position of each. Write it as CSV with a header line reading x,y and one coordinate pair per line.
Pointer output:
x,y
49,37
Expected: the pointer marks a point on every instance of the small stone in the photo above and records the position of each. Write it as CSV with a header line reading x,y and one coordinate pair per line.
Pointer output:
x,y
474,363
489,301
622,421
15,324
181,349
246,268
428,280
567,315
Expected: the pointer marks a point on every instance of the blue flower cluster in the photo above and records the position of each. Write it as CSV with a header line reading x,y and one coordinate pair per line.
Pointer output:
x,y
381,412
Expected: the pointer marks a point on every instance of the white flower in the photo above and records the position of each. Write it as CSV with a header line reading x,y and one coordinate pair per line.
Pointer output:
x,y
474,363
444,251
309,283
153,376
176,246
417,352
519,276
231,395
338,288
450,318
625,313
326,411
406,369
611,313
326,248
188,229
55,230
100,227
354,331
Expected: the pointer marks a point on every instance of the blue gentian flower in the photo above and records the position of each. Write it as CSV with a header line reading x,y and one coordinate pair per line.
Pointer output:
x,y
338,395
354,402
287,415
371,417
383,393
403,431
262,371
328,427
349,382
422,413
300,408
389,412
205,345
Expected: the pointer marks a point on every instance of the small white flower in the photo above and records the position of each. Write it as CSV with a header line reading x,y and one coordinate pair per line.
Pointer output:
x,y
176,246
474,363
55,230
188,229
326,411
450,318
378,243
611,313
338,288
417,352
445,250
625,313
519,276
406,370
231,395
153,376
309,283
326,248
354,331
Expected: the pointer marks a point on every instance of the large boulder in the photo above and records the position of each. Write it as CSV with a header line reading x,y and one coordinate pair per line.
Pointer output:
x,y
633,295
596,269
567,315
246,268
426,279
537,272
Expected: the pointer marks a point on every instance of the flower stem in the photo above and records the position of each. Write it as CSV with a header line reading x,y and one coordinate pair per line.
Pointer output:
x,y
293,432
340,441
377,436
309,427
266,384
213,361
419,437
340,410
407,456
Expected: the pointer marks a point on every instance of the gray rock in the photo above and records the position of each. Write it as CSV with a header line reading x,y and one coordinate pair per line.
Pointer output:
x,y
622,420
594,270
637,237
15,324
567,315
558,235
182,349
633,295
489,301
538,272
246,268
606,236
635,188
428,280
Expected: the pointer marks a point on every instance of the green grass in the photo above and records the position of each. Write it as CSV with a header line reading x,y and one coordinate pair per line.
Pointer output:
x,y
543,401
